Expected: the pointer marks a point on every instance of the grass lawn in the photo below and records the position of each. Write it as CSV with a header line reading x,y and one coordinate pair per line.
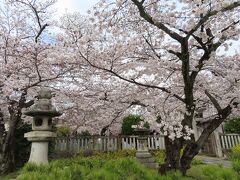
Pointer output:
x,y
115,166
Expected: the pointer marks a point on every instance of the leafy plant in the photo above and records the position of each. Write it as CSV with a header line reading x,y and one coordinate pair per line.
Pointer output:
x,y
23,146
212,172
235,152
63,131
84,133
232,126
130,120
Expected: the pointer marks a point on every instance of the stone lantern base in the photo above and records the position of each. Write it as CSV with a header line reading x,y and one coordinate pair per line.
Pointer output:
x,y
145,158
39,148
143,155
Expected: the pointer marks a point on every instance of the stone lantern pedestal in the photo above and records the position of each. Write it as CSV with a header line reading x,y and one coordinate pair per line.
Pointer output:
x,y
42,112
142,154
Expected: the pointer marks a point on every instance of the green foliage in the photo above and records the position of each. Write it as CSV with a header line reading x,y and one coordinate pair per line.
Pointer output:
x,y
235,152
23,146
236,165
130,120
118,166
196,161
94,168
233,126
110,155
63,131
211,172
84,133
235,158
159,155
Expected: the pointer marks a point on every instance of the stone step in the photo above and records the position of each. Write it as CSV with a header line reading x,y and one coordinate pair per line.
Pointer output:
x,y
146,160
143,154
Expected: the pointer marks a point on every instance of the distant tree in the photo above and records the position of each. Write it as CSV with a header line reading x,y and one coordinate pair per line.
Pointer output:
x,y
63,131
130,120
84,133
233,126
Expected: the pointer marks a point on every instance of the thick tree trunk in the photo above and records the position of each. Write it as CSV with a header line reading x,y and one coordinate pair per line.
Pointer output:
x,y
173,150
7,161
190,151
7,158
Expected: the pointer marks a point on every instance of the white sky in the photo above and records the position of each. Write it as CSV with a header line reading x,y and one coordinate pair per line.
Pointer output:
x,y
81,6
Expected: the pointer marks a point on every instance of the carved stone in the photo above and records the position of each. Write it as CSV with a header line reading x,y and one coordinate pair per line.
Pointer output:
x,y
42,112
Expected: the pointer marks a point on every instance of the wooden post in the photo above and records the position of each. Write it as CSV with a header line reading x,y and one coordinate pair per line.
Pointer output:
x,y
119,143
218,149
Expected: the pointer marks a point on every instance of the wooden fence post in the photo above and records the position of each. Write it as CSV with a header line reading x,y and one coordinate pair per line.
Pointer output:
x,y
218,150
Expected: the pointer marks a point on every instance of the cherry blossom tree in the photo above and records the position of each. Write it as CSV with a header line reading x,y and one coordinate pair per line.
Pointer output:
x,y
28,59
95,100
178,53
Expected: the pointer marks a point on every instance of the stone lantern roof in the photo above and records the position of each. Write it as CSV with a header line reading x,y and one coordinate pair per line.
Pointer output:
x,y
43,106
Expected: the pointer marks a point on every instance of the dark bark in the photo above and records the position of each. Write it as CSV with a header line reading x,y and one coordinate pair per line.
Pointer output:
x,y
190,151
2,129
173,149
7,158
8,149
190,148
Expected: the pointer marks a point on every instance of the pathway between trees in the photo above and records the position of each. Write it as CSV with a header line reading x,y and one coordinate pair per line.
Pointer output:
x,y
215,160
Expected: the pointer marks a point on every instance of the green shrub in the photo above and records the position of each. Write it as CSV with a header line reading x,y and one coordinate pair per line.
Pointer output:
x,y
235,152
232,126
159,155
196,161
129,168
116,166
110,155
236,165
130,120
84,133
63,131
23,146
211,172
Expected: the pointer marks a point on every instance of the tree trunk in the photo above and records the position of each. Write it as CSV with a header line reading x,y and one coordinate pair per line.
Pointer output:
x,y
173,150
7,160
2,131
190,151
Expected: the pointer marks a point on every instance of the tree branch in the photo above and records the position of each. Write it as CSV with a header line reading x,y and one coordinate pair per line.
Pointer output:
x,y
131,80
210,14
214,101
159,25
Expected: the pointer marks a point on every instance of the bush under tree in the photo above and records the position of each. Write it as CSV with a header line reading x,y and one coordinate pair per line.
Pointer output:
x,y
232,126
130,120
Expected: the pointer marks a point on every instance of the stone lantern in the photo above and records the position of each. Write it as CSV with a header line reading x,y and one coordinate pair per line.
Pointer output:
x,y
142,154
42,112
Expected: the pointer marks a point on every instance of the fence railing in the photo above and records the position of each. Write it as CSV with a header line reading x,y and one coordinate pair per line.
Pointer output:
x,y
106,143
113,143
229,140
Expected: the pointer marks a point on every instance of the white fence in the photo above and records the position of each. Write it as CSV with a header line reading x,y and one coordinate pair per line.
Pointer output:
x,y
104,143
229,140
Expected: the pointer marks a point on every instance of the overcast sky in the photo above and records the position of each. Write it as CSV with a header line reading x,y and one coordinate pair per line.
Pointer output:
x,y
74,5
